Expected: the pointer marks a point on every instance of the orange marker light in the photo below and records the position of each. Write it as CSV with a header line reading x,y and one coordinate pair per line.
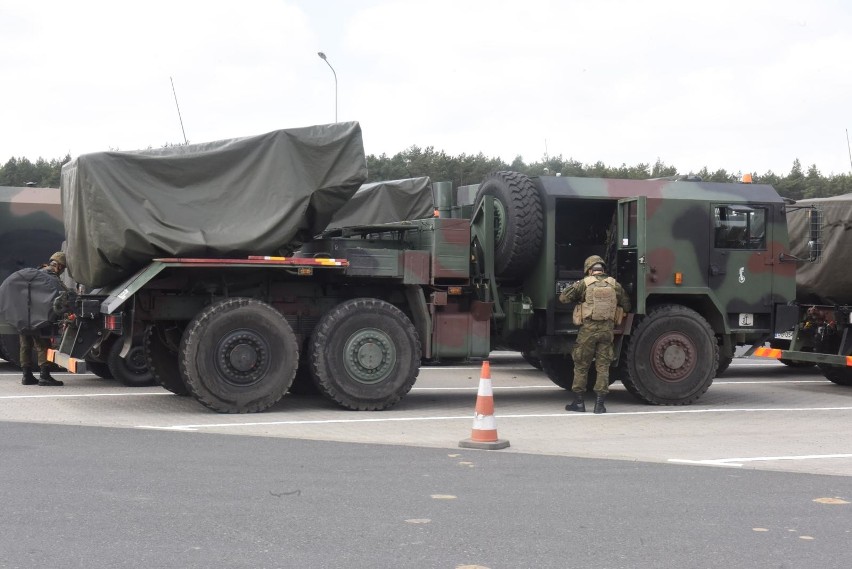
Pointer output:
x,y
454,290
678,278
746,178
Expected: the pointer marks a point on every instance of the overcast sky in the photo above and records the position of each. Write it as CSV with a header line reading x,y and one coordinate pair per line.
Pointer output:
x,y
745,85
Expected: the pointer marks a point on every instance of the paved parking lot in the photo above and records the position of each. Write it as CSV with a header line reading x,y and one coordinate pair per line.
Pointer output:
x,y
759,415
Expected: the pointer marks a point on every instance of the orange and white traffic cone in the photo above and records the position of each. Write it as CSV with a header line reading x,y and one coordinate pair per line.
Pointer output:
x,y
484,433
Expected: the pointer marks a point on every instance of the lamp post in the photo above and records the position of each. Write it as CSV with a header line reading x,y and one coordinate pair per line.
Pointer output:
x,y
323,57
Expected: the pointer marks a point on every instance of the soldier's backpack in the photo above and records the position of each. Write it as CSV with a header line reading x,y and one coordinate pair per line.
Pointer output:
x,y
26,300
601,301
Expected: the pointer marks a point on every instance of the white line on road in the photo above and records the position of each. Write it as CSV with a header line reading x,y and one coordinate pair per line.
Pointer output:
x,y
741,461
468,417
59,395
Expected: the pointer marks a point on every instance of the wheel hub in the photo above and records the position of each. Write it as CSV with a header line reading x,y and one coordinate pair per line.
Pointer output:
x,y
136,362
673,357
370,355
242,357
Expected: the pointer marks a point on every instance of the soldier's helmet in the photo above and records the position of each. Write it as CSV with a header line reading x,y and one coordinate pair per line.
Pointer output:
x,y
593,260
59,257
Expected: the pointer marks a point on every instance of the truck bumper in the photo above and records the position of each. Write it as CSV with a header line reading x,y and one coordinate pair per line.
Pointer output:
x,y
73,365
812,357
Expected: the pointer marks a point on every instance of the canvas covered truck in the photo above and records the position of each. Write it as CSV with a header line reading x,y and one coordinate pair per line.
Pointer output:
x,y
821,334
222,258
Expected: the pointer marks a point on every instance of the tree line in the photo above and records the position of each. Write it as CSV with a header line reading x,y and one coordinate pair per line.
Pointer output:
x,y
466,169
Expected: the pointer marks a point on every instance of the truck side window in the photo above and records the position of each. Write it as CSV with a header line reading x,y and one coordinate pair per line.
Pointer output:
x,y
740,227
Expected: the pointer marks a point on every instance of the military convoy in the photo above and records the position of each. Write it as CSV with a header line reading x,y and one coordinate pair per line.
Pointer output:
x,y
222,262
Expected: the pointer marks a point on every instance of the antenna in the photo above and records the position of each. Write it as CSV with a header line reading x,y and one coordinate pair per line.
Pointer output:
x,y
848,148
185,141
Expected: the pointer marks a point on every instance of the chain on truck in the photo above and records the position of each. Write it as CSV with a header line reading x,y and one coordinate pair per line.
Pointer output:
x,y
354,311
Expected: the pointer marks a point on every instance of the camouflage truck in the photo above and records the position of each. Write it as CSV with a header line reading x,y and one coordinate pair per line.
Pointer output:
x,y
707,267
356,309
31,231
821,245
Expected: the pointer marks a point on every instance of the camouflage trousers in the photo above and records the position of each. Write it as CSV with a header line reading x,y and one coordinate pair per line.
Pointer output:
x,y
594,342
28,342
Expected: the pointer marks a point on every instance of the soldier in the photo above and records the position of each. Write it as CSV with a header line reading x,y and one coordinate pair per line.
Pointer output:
x,y
600,296
55,267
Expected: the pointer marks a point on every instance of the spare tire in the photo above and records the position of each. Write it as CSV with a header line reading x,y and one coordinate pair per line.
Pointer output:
x,y
518,222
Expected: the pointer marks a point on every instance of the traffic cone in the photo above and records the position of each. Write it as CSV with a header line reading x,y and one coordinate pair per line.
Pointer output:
x,y
484,433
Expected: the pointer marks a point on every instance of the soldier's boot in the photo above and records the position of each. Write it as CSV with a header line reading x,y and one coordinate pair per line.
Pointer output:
x,y
599,404
29,378
45,378
577,405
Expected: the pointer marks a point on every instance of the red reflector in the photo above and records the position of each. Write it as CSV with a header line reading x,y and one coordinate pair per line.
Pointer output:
x,y
112,322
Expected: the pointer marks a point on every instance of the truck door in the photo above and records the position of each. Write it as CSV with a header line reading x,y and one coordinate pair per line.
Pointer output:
x,y
740,271
630,250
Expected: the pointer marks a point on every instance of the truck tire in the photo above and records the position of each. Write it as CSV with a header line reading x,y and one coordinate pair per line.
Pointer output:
x,y
238,355
518,222
132,370
532,359
837,374
100,369
365,354
560,370
672,357
724,364
163,361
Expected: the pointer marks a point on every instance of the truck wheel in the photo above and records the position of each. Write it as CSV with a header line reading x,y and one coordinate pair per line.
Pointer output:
x,y
133,370
238,355
532,359
518,222
100,369
560,370
365,354
163,361
724,364
837,374
672,358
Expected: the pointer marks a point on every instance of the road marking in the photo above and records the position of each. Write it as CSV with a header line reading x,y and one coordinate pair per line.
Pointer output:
x,y
741,461
195,427
59,395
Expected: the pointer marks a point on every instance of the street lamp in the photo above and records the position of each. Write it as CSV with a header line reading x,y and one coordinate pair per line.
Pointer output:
x,y
322,56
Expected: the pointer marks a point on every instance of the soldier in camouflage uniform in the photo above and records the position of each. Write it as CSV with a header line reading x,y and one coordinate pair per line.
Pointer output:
x,y
55,267
600,296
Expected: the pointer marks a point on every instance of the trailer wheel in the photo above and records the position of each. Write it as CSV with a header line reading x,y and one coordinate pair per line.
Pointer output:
x,y
238,355
132,370
365,354
518,222
837,374
560,370
672,358
162,360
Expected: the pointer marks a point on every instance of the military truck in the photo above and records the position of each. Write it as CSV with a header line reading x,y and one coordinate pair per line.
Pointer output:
x,y
31,231
821,245
233,303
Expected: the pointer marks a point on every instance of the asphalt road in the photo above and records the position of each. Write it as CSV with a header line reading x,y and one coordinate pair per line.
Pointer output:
x,y
757,473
